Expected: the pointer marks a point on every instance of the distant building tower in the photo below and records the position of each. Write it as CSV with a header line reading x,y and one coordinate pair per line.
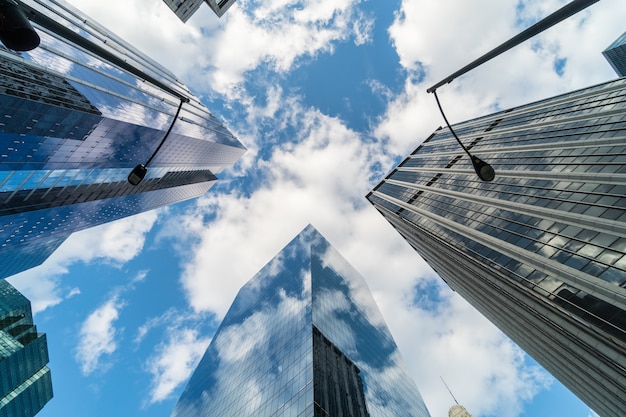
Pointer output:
x,y
458,411
77,115
303,338
25,383
220,6
541,249
616,55
185,8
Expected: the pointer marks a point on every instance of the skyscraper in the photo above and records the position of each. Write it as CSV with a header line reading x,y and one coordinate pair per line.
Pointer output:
x,y
302,338
540,250
184,9
616,55
25,383
78,113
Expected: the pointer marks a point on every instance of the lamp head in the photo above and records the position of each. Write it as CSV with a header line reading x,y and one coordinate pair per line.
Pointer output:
x,y
484,171
16,32
137,174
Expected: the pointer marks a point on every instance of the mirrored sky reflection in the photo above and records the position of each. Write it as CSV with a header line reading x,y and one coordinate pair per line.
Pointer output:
x,y
260,362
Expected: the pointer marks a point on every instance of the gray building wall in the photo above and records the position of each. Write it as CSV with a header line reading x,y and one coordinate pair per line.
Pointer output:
x,y
541,250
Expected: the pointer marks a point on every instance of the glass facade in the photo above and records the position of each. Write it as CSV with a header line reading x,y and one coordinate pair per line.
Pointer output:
x,y
616,55
541,250
73,124
302,338
25,383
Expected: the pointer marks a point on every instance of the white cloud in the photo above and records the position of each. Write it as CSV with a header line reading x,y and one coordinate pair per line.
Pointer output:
x,y
485,370
215,54
174,361
318,179
115,243
74,291
97,336
521,75
321,178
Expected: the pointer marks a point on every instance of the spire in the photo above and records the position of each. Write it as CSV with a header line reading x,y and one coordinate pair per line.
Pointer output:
x,y
444,383
456,410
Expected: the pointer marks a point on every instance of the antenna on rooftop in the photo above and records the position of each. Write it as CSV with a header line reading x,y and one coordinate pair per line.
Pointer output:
x,y
448,388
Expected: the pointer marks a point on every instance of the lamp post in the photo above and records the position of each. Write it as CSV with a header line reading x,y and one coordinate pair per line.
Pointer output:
x,y
484,171
139,172
16,33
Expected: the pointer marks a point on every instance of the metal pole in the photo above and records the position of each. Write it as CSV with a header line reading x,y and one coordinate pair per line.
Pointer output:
x,y
545,23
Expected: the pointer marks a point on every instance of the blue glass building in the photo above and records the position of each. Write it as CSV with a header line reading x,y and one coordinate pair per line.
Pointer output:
x,y
303,338
77,114
25,383
616,55
541,249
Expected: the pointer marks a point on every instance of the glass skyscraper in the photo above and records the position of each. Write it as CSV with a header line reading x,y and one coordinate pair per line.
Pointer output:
x,y
303,337
25,383
540,250
77,114
616,55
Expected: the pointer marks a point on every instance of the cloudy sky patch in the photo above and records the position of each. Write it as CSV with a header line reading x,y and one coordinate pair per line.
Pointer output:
x,y
327,97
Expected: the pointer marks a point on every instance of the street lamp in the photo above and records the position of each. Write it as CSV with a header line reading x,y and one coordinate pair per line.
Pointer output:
x,y
139,172
16,32
484,170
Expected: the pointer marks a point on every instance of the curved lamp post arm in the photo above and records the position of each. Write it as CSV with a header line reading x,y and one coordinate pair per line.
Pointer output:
x,y
139,172
484,171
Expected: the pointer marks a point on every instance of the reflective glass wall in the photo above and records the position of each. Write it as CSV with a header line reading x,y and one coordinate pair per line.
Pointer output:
x,y
615,54
25,382
73,124
302,338
540,250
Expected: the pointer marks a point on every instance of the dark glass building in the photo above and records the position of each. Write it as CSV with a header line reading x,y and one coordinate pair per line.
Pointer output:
x,y
540,250
77,114
25,383
220,6
184,9
616,55
303,338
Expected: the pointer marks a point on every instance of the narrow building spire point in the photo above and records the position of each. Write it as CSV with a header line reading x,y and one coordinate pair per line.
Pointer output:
x,y
448,388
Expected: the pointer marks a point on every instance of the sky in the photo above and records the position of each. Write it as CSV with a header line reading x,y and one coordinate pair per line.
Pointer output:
x,y
328,97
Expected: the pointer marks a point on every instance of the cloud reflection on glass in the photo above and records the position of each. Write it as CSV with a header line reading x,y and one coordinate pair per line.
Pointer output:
x,y
262,360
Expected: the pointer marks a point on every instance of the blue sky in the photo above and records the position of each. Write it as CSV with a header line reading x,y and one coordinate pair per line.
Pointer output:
x,y
328,97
